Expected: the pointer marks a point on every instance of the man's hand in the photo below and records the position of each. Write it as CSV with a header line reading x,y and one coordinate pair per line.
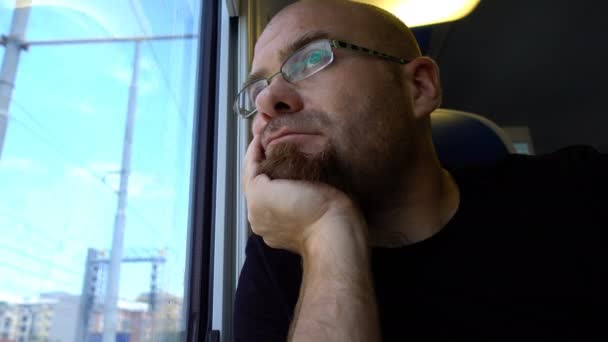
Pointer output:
x,y
289,214
337,300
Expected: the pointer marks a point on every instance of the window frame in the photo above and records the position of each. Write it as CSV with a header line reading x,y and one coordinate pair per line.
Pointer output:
x,y
199,275
227,182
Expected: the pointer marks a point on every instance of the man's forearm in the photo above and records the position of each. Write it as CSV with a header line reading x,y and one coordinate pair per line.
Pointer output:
x,y
337,300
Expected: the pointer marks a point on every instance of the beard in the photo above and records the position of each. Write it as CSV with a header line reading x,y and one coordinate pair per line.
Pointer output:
x,y
287,162
367,161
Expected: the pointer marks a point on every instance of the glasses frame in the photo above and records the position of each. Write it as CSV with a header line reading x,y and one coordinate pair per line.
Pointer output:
x,y
334,43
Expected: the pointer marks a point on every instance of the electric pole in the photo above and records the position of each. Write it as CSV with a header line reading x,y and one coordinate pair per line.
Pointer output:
x,y
13,44
110,309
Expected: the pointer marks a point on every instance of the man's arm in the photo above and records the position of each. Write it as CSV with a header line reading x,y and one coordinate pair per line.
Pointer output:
x,y
322,225
337,300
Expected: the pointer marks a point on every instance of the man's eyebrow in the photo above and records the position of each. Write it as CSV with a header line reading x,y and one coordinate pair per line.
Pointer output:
x,y
253,77
301,42
289,49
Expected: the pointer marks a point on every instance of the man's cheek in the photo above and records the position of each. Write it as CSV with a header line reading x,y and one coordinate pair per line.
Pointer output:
x,y
259,122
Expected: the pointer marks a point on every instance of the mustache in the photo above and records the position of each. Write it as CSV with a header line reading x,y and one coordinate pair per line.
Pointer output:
x,y
309,121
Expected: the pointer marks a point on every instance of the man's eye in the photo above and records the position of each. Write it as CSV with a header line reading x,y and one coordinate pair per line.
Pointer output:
x,y
315,58
312,59
306,63
255,89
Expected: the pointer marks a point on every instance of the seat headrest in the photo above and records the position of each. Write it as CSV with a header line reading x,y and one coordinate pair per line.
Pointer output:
x,y
463,138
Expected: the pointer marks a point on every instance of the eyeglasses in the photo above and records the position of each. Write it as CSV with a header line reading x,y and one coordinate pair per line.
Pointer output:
x,y
303,63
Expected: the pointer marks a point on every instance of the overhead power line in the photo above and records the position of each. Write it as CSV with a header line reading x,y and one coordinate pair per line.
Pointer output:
x,y
33,274
63,153
48,266
145,30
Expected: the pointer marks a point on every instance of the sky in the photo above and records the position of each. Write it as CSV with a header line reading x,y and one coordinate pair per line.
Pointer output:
x,y
63,147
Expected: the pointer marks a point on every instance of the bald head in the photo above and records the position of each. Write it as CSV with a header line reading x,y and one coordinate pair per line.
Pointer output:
x,y
359,23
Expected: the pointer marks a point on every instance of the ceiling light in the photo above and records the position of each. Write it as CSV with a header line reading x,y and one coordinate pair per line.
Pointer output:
x,y
426,12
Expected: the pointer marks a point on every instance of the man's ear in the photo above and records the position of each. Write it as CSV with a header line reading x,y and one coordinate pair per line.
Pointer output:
x,y
425,85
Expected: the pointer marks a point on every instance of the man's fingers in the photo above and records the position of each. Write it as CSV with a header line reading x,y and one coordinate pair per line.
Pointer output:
x,y
253,158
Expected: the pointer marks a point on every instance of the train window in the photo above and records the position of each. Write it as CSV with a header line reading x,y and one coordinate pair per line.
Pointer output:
x,y
97,122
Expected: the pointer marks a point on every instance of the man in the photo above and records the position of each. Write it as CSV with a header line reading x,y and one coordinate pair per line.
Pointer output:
x,y
361,235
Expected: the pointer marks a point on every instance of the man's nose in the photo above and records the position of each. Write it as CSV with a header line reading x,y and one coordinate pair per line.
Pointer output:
x,y
280,97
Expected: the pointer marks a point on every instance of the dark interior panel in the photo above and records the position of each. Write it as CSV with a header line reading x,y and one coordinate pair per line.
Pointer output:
x,y
539,63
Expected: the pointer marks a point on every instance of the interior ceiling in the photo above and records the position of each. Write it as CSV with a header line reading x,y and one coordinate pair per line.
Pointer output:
x,y
540,64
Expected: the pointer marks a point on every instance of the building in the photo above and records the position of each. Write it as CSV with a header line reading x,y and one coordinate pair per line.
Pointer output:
x,y
53,317
133,322
8,322
49,318
29,321
65,316
166,318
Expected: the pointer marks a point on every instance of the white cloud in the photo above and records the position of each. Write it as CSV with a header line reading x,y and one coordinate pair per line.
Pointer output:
x,y
82,174
148,82
147,64
166,193
23,165
85,108
141,185
11,298
18,164
122,74
9,4
149,87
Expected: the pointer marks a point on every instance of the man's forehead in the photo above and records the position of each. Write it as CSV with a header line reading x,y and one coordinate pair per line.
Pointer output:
x,y
294,24
285,41
290,25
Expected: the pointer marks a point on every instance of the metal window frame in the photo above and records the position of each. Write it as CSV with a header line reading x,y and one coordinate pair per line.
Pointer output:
x,y
199,275
227,185
243,134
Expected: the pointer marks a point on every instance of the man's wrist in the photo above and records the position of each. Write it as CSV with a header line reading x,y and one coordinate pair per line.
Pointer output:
x,y
338,236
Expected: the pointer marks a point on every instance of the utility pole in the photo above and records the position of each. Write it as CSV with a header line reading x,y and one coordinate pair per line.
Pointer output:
x,y
111,302
13,44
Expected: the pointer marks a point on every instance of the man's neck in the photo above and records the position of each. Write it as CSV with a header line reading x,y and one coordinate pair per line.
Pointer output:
x,y
421,209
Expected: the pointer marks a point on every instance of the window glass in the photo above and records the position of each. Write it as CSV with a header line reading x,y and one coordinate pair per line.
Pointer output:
x,y
6,10
65,155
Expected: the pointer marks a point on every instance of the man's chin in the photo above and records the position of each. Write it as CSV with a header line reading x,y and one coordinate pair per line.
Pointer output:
x,y
309,144
288,161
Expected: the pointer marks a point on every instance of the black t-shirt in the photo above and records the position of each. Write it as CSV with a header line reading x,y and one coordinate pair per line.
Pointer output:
x,y
525,256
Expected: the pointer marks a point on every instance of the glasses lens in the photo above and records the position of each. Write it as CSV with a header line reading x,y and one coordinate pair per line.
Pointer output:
x,y
245,103
301,64
308,60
